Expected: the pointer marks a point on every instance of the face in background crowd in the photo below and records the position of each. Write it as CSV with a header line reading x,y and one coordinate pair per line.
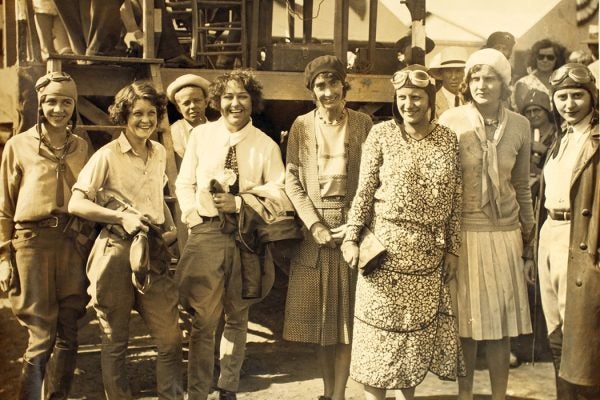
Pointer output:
x,y
573,104
191,103
58,110
142,121
537,116
485,85
328,91
235,106
452,78
546,60
413,104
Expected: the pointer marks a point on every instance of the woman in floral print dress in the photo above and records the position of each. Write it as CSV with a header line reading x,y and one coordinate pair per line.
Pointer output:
x,y
409,195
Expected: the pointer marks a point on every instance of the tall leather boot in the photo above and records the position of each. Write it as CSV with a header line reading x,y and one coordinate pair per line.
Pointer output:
x,y
32,376
564,389
59,374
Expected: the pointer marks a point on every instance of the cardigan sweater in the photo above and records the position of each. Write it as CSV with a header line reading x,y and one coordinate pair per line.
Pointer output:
x,y
513,166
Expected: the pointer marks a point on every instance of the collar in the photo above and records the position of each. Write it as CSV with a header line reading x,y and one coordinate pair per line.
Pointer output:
x,y
449,95
582,126
236,137
125,146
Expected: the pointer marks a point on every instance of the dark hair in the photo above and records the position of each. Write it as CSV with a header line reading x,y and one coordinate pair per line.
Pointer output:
x,y
126,97
558,49
464,86
244,77
333,77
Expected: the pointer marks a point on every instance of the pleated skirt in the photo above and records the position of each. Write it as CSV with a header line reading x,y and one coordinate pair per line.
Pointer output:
x,y
491,287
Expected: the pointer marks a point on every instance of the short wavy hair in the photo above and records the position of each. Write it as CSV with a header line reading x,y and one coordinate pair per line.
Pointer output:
x,y
558,49
121,108
466,91
246,78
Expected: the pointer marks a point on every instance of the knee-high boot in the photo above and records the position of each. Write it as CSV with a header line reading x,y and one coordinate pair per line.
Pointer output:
x,y
32,376
564,389
59,374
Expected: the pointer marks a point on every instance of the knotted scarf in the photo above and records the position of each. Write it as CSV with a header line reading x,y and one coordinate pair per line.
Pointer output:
x,y
490,176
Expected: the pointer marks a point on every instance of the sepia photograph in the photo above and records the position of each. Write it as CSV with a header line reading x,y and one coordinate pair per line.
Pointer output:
x,y
299,199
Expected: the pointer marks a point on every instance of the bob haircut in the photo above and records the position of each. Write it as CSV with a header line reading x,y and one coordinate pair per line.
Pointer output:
x,y
464,86
244,77
558,49
332,77
120,110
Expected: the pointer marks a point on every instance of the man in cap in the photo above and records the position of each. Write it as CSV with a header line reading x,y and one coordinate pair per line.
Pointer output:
x,y
189,93
40,267
536,108
501,41
448,66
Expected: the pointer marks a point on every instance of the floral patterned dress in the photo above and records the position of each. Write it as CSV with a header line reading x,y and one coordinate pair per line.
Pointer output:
x,y
410,196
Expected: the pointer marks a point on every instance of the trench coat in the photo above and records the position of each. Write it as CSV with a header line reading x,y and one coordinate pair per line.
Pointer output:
x,y
580,363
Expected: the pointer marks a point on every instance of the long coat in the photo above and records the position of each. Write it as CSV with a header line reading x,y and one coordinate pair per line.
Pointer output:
x,y
580,362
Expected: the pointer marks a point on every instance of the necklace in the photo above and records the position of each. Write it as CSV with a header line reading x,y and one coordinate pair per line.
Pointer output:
x,y
336,121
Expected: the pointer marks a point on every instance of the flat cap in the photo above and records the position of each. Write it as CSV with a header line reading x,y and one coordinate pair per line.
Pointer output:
x,y
184,81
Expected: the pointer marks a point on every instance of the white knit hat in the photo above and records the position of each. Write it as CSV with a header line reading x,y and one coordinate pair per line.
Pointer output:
x,y
492,58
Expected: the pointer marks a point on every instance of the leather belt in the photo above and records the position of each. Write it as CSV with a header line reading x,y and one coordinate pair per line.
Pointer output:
x,y
55,221
210,219
560,214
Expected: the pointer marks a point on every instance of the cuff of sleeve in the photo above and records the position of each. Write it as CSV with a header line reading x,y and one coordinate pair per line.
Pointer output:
x,y
5,250
238,204
352,233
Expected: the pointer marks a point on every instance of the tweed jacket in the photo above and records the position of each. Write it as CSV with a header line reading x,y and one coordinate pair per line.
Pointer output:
x,y
301,179
581,342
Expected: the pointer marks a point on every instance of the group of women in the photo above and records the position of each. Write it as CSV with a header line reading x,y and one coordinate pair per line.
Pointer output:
x,y
448,200
450,203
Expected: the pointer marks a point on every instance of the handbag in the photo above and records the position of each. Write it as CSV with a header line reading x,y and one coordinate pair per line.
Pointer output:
x,y
370,252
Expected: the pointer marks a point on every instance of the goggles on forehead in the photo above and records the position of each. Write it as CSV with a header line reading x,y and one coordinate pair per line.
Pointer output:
x,y
578,74
417,77
56,77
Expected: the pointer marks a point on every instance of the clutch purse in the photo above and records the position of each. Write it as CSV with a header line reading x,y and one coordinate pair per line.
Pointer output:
x,y
370,252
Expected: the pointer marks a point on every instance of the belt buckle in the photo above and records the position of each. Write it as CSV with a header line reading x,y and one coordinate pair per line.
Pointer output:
x,y
565,215
53,223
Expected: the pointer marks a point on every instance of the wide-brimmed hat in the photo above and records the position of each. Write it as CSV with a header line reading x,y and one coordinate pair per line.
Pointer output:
x,y
184,81
449,57
592,35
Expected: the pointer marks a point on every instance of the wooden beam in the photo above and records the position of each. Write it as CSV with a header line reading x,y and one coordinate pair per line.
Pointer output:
x,y
148,28
265,31
9,33
92,112
307,16
340,29
254,23
372,30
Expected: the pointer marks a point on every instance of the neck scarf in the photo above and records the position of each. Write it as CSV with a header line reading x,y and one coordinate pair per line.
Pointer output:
x,y
490,177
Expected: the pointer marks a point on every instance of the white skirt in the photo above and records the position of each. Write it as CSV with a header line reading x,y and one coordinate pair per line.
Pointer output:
x,y
491,287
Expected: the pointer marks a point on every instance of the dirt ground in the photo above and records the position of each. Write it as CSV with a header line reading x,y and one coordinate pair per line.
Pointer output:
x,y
274,369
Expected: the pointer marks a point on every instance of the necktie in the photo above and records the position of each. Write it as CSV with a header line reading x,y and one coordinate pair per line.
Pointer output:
x,y
564,142
456,101
231,163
